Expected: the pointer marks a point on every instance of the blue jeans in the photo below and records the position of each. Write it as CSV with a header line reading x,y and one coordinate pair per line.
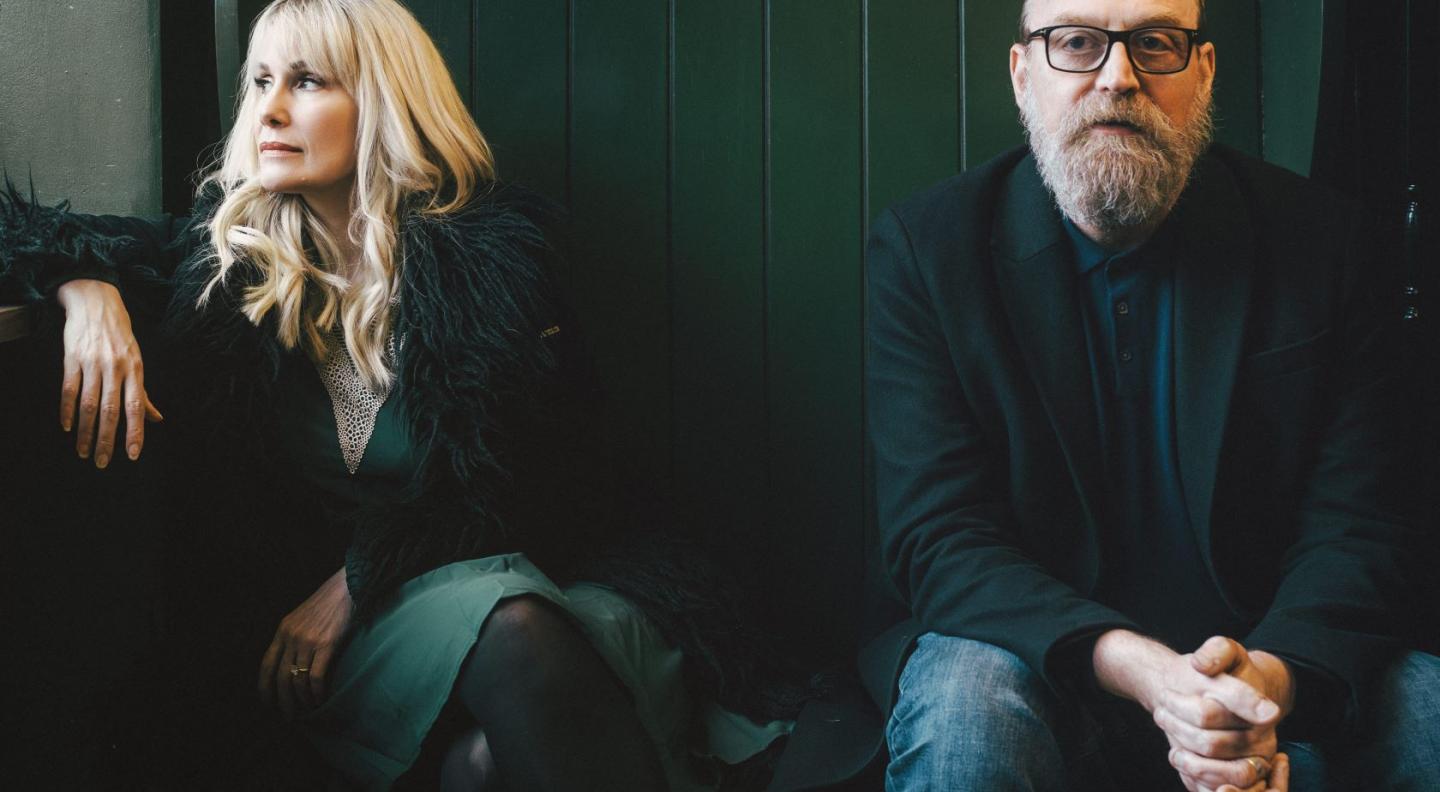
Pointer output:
x,y
972,716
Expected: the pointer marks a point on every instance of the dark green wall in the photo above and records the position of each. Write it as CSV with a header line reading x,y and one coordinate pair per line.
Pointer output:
x,y
722,161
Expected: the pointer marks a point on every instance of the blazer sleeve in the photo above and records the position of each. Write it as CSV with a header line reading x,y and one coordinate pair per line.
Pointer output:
x,y
947,532
43,247
1347,583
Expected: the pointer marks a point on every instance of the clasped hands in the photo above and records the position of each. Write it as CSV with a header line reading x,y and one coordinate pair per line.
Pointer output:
x,y
1218,707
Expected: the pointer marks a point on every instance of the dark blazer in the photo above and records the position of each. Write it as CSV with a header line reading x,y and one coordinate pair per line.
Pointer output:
x,y
987,452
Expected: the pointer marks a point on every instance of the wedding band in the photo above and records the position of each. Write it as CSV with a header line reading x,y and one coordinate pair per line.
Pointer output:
x,y
1261,769
296,671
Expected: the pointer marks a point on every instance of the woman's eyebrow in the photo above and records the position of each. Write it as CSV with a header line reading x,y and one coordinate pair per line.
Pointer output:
x,y
298,65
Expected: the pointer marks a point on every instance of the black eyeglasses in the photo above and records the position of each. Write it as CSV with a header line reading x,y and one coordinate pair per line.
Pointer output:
x,y
1152,50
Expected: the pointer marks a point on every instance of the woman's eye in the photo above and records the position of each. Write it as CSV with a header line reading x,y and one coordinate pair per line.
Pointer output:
x,y
262,82
309,81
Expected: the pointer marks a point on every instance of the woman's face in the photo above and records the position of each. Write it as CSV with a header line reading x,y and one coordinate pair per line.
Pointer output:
x,y
307,127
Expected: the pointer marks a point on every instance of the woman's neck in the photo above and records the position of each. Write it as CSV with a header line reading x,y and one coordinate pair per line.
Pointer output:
x,y
334,213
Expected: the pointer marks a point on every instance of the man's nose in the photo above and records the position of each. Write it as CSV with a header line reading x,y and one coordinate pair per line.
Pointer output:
x,y
1118,74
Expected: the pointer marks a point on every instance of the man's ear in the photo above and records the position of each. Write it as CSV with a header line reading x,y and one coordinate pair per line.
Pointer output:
x,y
1206,54
1019,70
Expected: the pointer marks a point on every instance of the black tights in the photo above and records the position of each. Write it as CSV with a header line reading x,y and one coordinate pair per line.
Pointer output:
x,y
549,712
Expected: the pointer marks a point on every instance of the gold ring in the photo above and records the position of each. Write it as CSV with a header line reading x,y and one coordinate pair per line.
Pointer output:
x,y
1258,764
296,671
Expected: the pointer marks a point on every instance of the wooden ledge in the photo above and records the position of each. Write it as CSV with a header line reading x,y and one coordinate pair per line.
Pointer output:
x,y
14,322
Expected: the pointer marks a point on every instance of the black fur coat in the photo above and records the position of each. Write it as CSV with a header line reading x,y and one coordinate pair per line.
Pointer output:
x,y
497,394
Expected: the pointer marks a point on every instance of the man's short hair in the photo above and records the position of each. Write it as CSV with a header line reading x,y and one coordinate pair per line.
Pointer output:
x,y
1025,29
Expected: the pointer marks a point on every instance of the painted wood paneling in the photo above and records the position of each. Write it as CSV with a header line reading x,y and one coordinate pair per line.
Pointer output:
x,y
520,83
814,303
718,267
619,199
721,163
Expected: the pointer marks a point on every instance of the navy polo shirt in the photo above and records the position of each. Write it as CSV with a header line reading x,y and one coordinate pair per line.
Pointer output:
x,y
1152,569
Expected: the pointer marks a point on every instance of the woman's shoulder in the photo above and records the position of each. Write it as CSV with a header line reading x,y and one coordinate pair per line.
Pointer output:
x,y
496,209
502,227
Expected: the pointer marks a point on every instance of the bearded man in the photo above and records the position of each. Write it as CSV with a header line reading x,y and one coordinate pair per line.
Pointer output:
x,y
1134,451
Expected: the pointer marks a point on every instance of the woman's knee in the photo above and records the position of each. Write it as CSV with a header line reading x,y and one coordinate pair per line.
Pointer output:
x,y
524,629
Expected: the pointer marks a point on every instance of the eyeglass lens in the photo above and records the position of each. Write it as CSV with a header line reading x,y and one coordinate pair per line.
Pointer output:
x,y
1083,49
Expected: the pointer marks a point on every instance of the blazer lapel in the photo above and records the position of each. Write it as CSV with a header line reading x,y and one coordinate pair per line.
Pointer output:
x,y
1040,288
1212,294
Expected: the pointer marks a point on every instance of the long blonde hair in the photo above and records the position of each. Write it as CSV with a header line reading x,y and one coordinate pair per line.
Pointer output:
x,y
414,137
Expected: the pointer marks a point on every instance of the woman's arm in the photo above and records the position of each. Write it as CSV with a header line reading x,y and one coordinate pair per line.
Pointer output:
x,y
84,262
103,372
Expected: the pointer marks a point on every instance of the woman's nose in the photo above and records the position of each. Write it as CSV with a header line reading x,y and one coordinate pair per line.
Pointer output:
x,y
272,110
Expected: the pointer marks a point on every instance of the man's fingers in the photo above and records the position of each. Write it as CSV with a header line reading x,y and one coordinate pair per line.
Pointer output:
x,y
1211,743
1243,700
1280,773
1202,712
110,407
1218,655
1216,773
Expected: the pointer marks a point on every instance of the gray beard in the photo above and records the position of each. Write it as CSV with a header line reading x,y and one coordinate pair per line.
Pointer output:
x,y
1116,182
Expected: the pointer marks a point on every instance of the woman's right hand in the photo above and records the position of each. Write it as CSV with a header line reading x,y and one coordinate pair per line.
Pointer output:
x,y
104,373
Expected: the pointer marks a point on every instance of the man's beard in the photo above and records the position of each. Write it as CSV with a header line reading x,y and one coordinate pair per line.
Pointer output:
x,y
1116,182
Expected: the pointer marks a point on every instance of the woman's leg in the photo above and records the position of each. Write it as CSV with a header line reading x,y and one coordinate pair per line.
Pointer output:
x,y
552,711
468,766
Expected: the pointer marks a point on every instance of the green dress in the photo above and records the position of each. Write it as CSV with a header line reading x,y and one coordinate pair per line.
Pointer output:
x,y
397,671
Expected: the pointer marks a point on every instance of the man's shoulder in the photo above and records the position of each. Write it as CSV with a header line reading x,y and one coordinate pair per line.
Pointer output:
x,y
967,196
1279,195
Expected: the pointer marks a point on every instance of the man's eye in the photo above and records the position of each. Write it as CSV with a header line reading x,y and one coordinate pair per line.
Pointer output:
x,y
1155,43
1078,42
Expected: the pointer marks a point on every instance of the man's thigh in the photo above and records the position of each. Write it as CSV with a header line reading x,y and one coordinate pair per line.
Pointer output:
x,y
974,716
1397,745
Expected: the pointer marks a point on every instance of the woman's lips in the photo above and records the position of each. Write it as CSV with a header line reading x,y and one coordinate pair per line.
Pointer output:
x,y
278,148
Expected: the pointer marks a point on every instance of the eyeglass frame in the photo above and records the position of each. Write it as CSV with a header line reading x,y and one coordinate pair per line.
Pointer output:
x,y
1193,37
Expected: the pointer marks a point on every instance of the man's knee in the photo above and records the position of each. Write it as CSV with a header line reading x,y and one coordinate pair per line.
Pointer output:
x,y
970,710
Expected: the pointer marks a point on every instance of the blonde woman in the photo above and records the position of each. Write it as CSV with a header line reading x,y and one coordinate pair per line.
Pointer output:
x,y
359,308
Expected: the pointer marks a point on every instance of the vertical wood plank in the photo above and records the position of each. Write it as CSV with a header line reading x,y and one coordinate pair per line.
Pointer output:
x,y
449,23
1291,38
1234,30
814,311
618,181
520,77
718,288
914,120
990,118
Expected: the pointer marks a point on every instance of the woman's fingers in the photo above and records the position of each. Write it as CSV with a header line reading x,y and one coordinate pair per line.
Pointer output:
x,y
69,392
152,413
111,398
265,682
319,673
89,410
136,401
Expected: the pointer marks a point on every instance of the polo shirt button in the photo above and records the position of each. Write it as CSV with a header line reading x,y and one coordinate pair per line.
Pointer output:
x,y
1122,308
1126,357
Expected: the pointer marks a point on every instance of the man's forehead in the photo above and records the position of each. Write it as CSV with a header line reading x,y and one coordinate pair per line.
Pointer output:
x,y
1115,14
